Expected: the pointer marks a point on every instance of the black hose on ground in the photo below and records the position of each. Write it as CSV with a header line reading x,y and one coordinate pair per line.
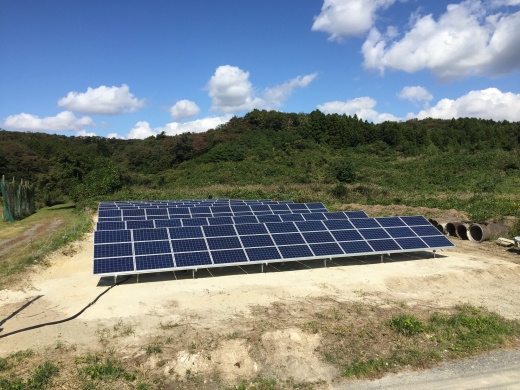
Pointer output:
x,y
66,319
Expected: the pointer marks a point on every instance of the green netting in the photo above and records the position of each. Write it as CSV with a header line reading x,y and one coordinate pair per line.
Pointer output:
x,y
18,200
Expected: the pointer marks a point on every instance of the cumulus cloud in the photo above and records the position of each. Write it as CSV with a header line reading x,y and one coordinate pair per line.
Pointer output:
x,y
115,135
363,107
468,39
65,120
489,103
343,18
143,130
83,133
231,91
416,94
184,109
102,101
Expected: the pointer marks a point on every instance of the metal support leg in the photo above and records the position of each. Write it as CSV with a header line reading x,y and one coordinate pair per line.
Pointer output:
x,y
382,260
262,268
193,273
434,253
137,278
115,279
325,262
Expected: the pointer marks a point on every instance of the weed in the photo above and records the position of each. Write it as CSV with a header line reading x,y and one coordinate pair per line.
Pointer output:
x,y
168,325
312,326
406,324
154,348
123,330
231,336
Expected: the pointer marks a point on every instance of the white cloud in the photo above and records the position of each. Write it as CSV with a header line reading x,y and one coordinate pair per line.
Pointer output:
x,y
83,133
466,40
363,107
65,120
343,18
231,91
115,135
184,109
102,101
489,103
143,130
416,94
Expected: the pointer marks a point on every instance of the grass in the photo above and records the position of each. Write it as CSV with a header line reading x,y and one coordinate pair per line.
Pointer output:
x,y
45,231
40,378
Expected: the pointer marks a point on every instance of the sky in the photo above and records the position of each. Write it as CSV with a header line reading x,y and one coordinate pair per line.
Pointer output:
x,y
132,69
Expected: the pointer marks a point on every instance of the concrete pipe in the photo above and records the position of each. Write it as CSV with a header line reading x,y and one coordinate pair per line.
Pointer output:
x,y
451,228
479,232
462,231
440,224
442,227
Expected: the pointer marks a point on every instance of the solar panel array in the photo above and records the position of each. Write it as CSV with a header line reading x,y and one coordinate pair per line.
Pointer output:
x,y
233,240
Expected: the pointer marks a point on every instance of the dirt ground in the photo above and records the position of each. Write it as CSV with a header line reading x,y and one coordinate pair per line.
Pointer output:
x,y
203,323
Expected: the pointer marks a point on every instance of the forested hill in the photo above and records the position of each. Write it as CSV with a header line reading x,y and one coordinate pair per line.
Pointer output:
x,y
262,147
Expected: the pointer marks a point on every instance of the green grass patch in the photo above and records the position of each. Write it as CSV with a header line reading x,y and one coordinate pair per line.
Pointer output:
x,y
41,378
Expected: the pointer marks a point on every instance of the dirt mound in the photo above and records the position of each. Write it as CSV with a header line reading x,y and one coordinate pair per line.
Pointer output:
x,y
397,209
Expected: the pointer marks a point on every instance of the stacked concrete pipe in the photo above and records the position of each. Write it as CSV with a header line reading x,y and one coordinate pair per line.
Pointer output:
x,y
479,232
451,228
440,224
462,230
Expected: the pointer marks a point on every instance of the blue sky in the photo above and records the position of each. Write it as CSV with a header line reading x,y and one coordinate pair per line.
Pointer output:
x,y
132,69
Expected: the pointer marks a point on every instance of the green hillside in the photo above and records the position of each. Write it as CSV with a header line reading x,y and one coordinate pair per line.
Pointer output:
x,y
468,164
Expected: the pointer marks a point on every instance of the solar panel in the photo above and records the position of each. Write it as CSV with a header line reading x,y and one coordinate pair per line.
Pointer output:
x,y
138,246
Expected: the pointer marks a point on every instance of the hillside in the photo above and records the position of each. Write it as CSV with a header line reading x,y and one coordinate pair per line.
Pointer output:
x,y
439,163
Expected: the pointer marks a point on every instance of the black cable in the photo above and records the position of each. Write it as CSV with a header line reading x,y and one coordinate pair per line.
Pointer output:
x,y
66,319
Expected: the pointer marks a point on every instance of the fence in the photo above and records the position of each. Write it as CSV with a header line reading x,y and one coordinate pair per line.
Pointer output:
x,y
18,199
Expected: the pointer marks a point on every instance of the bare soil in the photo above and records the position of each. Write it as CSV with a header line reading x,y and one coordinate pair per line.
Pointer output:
x,y
236,323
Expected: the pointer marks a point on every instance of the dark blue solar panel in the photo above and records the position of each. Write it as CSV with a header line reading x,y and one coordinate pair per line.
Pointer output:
x,y
258,240
233,256
156,212
314,217
190,245
384,245
237,209
109,213
297,206
401,232
224,243
260,207
242,220
186,232
143,218
279,207
335,215
338,224
390,222
437,241
356,214
220,221
318,237
347,235
141,224
328,249
284,227
153,262
194,221
219,231
251,229
315,205
111,225
291,217
411,243
362,223
416,220
192,259
203,215
179,210
243,214
111,236
356,247
112,266
150,234
372,234
221,209
200,210
310,226
312,211
223,214
112,250
268,218
426,230
259,254
295,251
288,239
133,213
151,247
168,223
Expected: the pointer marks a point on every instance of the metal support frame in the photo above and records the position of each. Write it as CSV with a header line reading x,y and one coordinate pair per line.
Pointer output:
x,y
193,272
262,268
434,253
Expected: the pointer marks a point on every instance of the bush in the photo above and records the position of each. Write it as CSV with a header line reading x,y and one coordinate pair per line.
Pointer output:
x,y
406,324
345,171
